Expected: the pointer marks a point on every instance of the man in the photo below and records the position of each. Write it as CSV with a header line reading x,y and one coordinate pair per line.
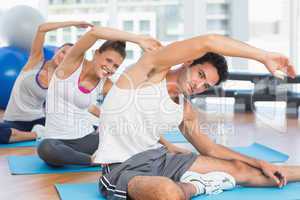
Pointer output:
x,y
147,100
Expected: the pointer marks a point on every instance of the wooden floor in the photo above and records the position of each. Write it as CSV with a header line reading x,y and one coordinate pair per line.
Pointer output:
x,y
242,129
34,187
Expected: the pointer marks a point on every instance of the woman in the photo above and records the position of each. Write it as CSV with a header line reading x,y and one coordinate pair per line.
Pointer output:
x,y
69,136
25,107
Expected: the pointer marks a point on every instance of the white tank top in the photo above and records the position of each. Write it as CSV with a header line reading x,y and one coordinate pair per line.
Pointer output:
x,y
27,97
67,115
132,121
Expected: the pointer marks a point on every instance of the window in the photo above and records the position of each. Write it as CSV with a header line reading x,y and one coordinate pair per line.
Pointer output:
x,y
128,25
217,17
67,34
162,19
268,30
145,26
96,23
67,30
217,8
52,39
265,24
217,26
80,32
262,23
172,17
68,1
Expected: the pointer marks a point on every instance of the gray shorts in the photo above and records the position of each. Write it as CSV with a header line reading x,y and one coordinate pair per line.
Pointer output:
x,y
156,162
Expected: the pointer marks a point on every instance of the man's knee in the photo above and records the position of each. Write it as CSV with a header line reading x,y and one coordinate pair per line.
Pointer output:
x,y
169,190
165,188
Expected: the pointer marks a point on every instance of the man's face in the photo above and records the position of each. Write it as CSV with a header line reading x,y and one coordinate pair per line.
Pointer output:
x,y
198,78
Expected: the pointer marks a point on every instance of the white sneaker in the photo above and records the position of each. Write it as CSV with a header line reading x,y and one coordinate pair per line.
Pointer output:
x,y
39,130
210,183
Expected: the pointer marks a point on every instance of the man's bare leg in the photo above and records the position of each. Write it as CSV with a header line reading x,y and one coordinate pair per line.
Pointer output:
x,y
158,188
162,188
243,173
17,136
292,172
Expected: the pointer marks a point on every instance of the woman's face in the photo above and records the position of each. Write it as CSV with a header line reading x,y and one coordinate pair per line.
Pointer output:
x,y
106,63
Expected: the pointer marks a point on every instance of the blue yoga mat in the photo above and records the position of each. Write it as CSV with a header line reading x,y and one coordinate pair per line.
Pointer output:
x,y
255,150
34,165
89,191
19,144
175,137
80,191
262,152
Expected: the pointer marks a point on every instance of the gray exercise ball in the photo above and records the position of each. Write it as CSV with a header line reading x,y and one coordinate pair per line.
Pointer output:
x,y
18,25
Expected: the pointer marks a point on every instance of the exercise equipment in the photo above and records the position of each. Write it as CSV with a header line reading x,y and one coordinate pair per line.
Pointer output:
x,y
12,60
49,51
19,25
265,89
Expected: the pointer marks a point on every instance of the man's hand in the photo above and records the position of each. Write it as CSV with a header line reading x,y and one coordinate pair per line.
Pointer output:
x,y
275,61
274,172
148,43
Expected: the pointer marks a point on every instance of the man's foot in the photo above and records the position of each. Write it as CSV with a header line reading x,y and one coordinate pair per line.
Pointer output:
x,y
210,183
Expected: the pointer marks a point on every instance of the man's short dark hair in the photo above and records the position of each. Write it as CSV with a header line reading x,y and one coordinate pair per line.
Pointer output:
x,y
118,46
218,61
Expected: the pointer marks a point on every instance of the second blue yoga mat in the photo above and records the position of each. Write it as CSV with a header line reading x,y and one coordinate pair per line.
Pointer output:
x,y
19,144
34,165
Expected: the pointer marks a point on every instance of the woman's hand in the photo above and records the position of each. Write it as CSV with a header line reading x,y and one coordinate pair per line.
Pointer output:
x,y
148,43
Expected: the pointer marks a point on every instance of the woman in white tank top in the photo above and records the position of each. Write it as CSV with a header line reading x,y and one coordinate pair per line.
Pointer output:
x,y
26,104
69,137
